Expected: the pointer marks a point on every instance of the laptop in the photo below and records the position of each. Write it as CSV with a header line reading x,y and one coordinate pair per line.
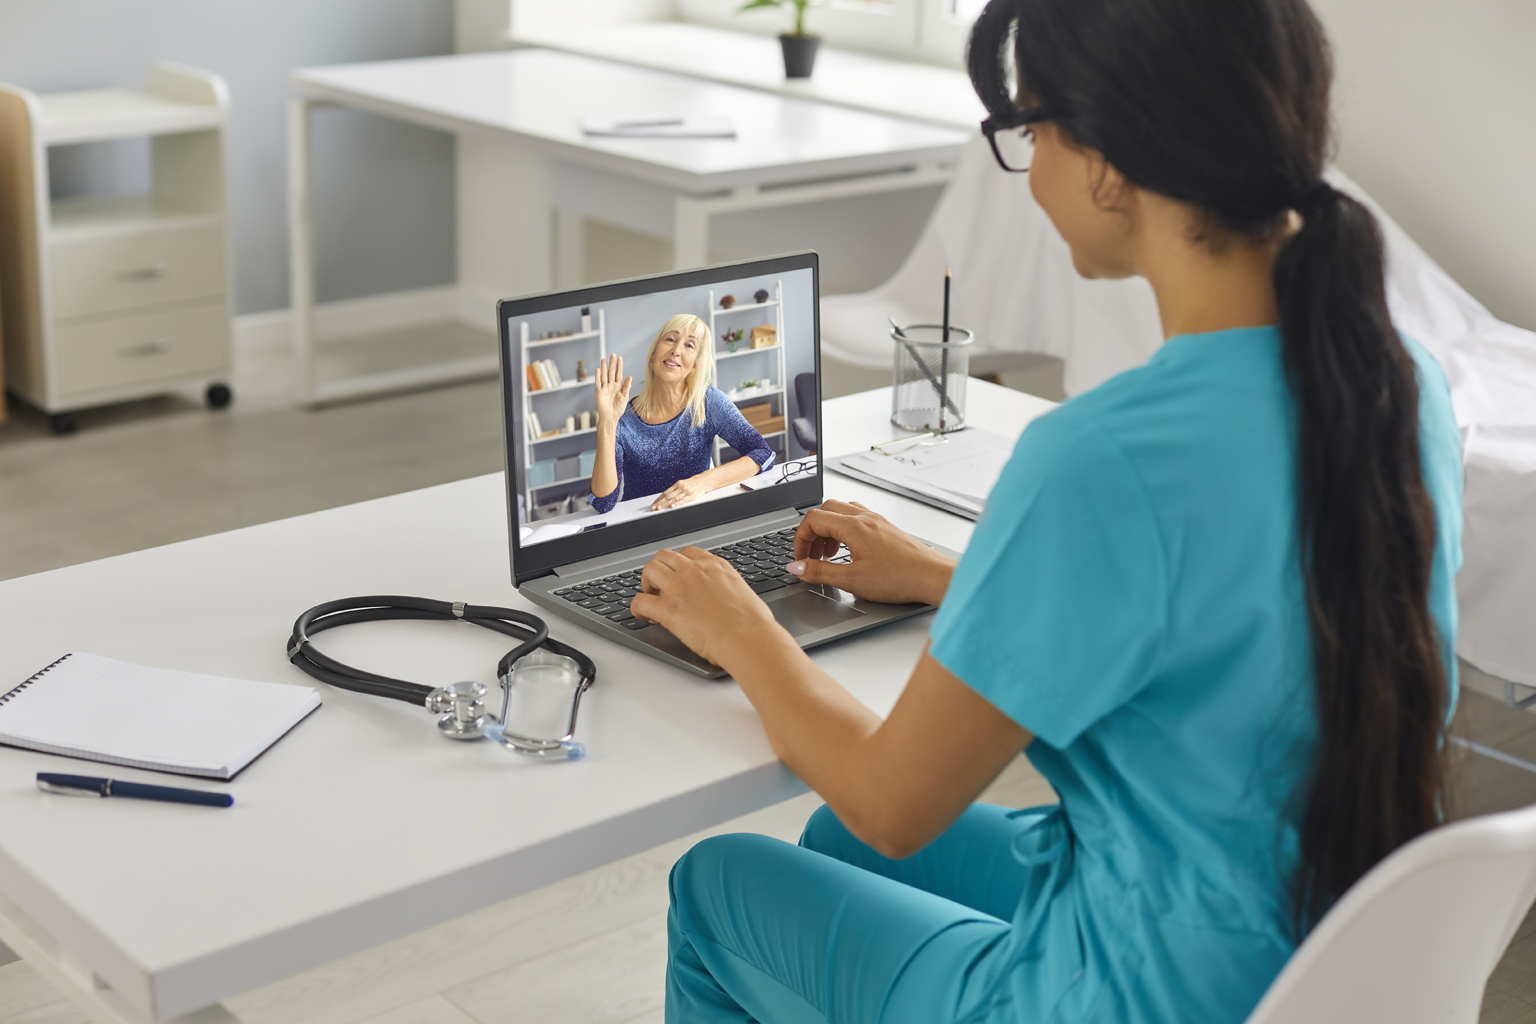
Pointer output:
x,y
581,560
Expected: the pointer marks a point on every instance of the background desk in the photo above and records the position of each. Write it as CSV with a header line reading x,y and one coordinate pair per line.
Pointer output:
x,y
528,104
363,825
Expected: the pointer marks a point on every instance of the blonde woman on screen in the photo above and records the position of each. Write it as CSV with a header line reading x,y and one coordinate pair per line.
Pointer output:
x,y
661,443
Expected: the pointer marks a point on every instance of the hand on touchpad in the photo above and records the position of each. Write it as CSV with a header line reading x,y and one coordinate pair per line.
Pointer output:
x,y
806,612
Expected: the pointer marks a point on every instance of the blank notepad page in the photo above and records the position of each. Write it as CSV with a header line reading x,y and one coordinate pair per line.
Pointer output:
x,y
84,705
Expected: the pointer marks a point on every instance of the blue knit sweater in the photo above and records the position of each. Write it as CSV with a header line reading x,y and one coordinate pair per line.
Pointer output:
x,y
652,457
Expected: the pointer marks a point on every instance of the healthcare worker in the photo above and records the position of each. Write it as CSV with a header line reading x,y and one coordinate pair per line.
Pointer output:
x,y
1211,599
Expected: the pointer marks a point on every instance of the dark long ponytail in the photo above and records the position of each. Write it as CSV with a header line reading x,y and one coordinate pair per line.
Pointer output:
x,y
1223,105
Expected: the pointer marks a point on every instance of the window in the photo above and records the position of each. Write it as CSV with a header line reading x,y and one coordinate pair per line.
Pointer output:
x,y
930,30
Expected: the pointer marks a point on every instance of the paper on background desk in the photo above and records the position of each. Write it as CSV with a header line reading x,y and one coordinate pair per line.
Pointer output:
x,y
658,126
957,474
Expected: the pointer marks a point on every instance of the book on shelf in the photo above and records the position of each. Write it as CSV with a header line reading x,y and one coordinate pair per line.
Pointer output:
x,y
535,428
533,377
554,373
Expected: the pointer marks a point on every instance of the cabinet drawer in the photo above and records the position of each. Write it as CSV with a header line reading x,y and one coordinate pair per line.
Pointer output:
x,y
143,270
132,350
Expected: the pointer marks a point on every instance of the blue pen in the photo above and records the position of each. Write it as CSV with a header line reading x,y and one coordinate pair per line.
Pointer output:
x,y
87,785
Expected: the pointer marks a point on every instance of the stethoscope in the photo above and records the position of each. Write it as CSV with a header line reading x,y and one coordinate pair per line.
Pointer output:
x,y
461,705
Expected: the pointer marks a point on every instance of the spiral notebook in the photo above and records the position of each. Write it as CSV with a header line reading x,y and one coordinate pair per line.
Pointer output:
x,y
100,709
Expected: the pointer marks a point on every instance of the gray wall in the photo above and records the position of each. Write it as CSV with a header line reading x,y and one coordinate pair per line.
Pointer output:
x,y
1434,104
383,190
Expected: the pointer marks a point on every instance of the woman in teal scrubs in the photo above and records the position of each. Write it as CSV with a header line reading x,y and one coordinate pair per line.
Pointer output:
x,y
1211,599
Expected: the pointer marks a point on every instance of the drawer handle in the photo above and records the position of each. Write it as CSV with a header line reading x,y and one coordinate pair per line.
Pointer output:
x,y
148,348
145,273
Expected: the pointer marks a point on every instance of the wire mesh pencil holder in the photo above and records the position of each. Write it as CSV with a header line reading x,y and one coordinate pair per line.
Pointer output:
x,y
928,376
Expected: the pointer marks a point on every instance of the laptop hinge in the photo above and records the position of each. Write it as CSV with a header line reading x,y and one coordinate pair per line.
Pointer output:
x,y
714,536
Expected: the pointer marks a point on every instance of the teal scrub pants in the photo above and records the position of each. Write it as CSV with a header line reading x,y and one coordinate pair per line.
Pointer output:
x,y
832,931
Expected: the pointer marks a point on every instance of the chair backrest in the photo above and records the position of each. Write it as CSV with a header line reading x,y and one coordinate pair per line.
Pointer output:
x,y
804,421
1415,940
805,395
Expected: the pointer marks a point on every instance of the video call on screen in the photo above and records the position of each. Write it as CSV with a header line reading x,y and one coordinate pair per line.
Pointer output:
x,y
733,350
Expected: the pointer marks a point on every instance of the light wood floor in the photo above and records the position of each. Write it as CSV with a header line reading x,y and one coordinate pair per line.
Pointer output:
x,y
588,950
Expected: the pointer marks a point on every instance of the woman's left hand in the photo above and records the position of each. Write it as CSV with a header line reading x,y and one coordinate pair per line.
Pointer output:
x,y
705,603
681,493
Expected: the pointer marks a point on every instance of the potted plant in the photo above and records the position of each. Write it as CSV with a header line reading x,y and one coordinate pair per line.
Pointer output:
x,y
799,48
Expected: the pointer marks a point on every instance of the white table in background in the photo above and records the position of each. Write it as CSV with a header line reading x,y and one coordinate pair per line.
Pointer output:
x,y
862,81
362,825
787,151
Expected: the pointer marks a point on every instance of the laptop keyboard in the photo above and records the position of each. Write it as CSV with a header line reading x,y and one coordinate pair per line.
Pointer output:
x,y
760,560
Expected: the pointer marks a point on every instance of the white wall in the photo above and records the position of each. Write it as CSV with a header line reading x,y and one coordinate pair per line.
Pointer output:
x,y
1436,106
384,190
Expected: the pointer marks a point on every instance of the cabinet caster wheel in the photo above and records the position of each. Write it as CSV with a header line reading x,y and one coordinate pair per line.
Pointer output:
x,y
219,396
62,423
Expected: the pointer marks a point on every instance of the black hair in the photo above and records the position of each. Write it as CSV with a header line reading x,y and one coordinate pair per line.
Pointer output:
x,y
1224,105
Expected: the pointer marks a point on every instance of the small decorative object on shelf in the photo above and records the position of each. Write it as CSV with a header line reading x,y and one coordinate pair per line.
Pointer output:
x,y
586,421
760,296
799,48
731,338
570,424
749,384
764,336
581,367
586,319
727,302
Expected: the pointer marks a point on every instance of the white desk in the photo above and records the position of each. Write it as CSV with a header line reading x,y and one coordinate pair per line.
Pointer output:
x,y
859,80
362,825
787,151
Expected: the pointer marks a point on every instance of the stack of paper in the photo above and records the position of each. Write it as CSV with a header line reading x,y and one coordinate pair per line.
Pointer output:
x,y
955,473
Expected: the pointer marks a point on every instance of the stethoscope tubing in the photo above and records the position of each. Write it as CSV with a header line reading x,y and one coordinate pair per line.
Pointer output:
x,y
529,629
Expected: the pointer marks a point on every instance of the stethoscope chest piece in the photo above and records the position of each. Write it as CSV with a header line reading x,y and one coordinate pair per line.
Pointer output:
x,y
462,706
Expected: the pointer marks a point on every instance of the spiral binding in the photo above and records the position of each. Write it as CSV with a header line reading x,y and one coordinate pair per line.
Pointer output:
x,y
30,680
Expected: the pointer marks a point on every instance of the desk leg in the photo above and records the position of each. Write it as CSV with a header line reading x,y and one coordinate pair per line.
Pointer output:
x,y
690,230
301,248
75,981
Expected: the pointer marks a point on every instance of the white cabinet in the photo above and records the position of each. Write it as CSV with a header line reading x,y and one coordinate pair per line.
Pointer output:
x,y
113,297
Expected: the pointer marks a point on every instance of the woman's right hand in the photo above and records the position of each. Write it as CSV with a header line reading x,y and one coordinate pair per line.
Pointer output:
x,y
612,391
887,565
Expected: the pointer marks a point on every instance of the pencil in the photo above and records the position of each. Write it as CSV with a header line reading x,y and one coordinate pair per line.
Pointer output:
x,y
944,356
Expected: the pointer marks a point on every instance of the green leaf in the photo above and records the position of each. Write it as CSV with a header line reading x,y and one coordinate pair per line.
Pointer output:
x,y
758,3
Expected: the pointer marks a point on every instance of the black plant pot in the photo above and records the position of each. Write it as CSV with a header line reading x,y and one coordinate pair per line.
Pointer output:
x,y
799,55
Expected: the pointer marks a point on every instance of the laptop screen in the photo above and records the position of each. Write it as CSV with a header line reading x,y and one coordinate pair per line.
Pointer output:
x,y
719,423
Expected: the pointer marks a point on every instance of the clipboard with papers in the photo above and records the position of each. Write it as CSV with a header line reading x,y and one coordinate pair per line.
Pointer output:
x,y
954,472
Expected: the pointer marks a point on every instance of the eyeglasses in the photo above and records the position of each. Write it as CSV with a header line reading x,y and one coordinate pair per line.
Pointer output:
x,y
1012,139
790,469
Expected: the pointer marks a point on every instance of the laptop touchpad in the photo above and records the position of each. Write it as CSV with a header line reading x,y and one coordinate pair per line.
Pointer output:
x,y
807,612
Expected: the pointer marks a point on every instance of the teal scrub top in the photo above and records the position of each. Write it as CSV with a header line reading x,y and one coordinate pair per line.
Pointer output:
x,y
1133,597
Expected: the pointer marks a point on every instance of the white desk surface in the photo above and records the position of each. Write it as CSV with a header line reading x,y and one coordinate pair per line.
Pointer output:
x,y
536,98
859,80
363,825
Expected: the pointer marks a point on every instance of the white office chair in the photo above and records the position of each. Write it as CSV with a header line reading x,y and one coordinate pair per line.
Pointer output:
x,y
1415,940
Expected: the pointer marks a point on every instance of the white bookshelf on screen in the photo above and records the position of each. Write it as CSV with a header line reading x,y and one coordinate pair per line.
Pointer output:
x,y
731,365
552,417
108,298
